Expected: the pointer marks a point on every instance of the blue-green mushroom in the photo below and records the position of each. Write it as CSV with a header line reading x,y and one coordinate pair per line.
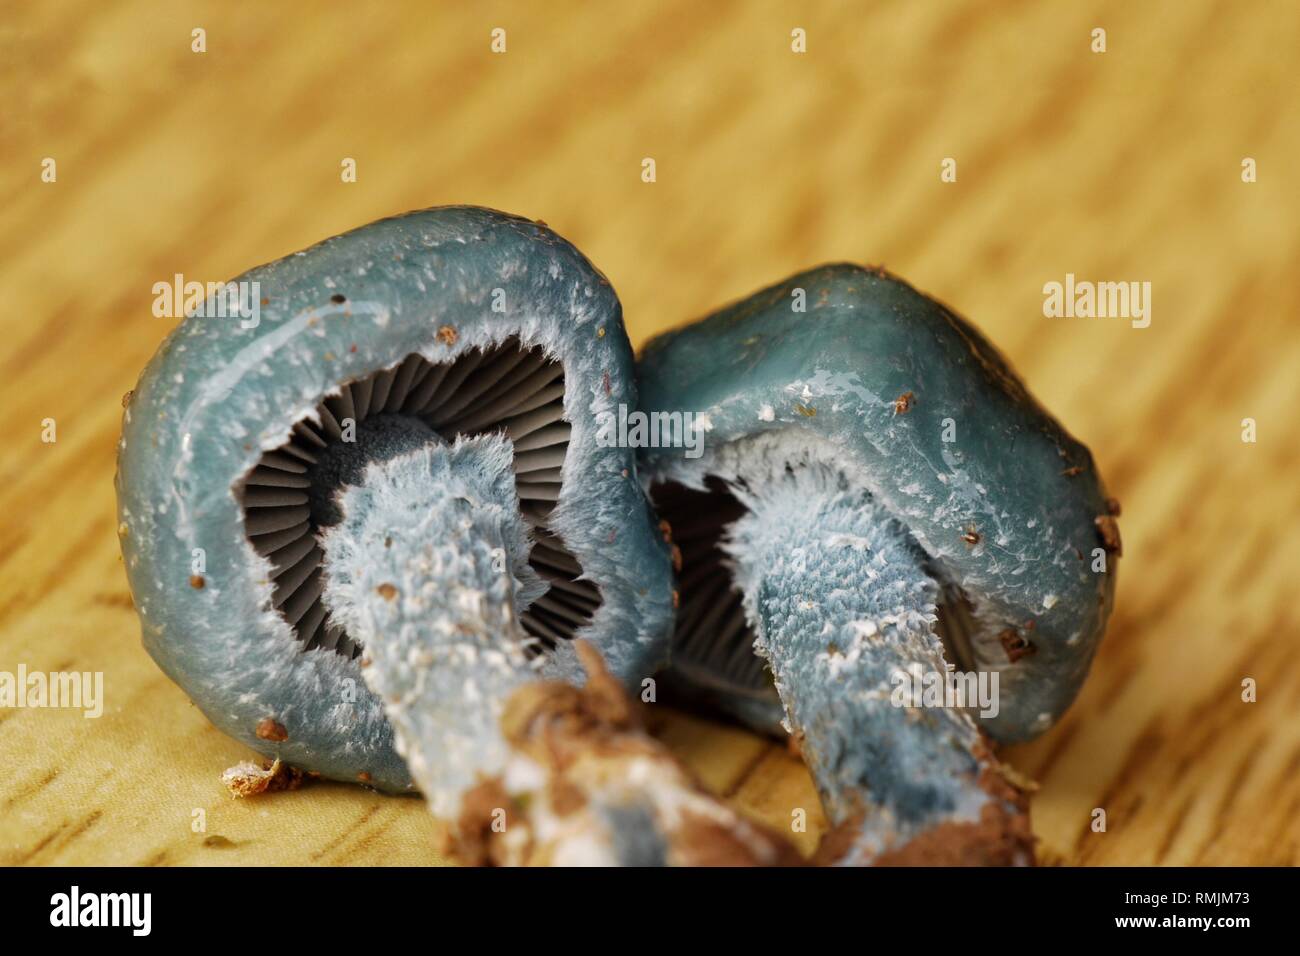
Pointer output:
x,y
281,389
917,552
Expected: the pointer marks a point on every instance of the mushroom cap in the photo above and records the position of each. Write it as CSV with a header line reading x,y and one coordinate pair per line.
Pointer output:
x,y
218,394
873,376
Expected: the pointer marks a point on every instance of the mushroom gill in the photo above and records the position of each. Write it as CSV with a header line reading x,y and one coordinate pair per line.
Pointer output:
x,y
289,498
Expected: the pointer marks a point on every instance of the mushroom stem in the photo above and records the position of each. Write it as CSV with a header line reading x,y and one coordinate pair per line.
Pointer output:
x,y
428,566
836,594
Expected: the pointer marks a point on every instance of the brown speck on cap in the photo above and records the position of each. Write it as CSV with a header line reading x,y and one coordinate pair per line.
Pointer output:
x,y
387,591
609,386
1015,645
266,301
448,335
1072,471
1112,507
677,600
268,728
600,332
126,398
338,298
807,411
197,582
970,535
1108,528
903,404
363,777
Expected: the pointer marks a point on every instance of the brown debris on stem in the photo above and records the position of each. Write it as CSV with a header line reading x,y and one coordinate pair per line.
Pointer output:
x,y
595,756
1000,837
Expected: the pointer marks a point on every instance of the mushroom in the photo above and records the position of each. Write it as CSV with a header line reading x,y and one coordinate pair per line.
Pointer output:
x,y
883,513
413,331
374,534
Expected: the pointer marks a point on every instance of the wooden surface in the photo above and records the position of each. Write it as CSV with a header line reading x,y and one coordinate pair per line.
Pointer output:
x,y
1117,166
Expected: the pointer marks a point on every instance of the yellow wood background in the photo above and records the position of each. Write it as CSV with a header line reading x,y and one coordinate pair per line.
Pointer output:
x,y
1117,166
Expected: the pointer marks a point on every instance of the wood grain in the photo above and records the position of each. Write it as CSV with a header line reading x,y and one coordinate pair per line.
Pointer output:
x,y
1122,166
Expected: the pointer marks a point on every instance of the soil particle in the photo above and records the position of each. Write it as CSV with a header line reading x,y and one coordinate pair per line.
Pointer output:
x,y
268,728
1015,645
471,841
566,799
1108,528
703,841
247,779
